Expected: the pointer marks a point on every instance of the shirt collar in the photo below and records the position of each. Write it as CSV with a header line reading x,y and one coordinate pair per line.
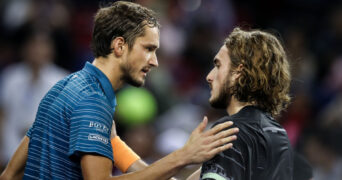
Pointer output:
x,y
249,112
104,81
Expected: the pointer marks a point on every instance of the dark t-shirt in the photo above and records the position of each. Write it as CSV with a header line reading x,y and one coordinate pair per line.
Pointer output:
x,y
262,150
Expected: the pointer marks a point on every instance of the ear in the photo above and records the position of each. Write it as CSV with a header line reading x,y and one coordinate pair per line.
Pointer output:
x,y
238,71
118,46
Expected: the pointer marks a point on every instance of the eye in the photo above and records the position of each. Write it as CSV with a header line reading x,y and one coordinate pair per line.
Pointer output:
x,y
150,49
216,63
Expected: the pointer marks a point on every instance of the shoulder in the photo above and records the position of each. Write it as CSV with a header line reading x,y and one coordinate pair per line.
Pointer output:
x,y
83,83
94,99
78,89
93,104
244,136
250,135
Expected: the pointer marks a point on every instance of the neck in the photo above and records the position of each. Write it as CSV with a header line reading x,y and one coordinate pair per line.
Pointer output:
x,y
235,106
110,67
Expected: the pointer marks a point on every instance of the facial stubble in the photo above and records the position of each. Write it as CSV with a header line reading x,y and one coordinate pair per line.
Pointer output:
x,y
128,76
224,95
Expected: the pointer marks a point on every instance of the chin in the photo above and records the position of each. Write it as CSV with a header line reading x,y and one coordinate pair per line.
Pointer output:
x,y
138,82
218,102
135,81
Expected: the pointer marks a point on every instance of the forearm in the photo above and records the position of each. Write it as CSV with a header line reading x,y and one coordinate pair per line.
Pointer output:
x,y
164,168
16,166
137,165
195,176
140,165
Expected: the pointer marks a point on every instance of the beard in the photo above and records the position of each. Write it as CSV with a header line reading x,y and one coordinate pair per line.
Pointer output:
x,y
128,77
224,96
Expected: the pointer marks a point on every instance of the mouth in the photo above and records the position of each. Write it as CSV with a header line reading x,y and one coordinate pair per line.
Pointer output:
x,y
145,70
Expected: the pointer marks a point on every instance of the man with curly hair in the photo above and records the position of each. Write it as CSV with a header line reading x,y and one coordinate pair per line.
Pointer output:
x,y
251,80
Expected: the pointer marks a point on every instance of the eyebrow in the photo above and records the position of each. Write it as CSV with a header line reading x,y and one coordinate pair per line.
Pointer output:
x,y
151,46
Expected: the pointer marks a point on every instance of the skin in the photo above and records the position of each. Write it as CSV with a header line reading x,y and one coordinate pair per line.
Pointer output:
x,y
130,66
126,65
219,78
16,166
224,75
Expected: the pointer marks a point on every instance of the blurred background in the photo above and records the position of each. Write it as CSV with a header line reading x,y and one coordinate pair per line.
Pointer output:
x,y
41,41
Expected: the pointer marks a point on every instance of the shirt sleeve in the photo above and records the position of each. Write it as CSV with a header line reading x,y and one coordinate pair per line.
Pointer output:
x,y
229,164
90,126
29,132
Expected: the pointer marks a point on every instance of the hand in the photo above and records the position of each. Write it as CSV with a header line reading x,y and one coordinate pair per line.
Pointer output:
x,y
202,146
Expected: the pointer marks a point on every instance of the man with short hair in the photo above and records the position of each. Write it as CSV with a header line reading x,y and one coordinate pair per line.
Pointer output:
x,y
251,80
70,138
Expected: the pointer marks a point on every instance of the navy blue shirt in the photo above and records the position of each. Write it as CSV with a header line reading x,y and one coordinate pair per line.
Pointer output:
x,y
74,117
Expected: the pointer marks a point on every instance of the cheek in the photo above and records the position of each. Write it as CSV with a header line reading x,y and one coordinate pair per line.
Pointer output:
x,y
218,77
142,58
220,80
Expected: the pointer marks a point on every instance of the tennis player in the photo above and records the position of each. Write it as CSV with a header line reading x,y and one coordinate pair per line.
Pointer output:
x,y
70,138
251,81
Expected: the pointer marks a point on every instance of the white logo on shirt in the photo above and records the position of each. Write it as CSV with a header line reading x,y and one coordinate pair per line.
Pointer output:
x,y
99,126
97,137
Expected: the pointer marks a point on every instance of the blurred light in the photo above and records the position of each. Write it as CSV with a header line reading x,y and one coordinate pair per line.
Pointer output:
x,y
136,106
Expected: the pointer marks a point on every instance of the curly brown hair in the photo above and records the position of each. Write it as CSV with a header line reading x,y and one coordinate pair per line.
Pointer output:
x,y
265,77
121,19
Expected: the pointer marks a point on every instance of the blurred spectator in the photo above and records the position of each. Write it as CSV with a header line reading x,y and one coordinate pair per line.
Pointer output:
x,y
331,114
175,126
142,140
302,169
22,87
321,151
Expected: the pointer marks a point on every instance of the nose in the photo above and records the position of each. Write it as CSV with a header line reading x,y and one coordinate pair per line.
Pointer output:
x,y
154,61
209,77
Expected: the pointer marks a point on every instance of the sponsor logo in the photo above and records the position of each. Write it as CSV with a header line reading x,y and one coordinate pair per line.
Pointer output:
x,y
97,137
99,126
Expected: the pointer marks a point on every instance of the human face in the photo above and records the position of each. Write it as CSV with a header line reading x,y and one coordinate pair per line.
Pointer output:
x,y
219,80
141,58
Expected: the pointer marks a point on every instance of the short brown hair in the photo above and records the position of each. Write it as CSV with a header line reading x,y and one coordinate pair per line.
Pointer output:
x,y
121,19
265,76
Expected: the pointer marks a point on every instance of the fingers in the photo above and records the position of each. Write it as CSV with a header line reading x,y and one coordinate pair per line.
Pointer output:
x,y
202,125
219,128
226,133
223,141
220,149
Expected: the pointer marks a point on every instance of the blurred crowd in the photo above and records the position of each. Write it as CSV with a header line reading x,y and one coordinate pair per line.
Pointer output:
x,y
41,41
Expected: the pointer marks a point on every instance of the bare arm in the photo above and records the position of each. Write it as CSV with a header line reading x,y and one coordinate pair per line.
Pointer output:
x,y
195,176
140,165
16,166
137,165
200,147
